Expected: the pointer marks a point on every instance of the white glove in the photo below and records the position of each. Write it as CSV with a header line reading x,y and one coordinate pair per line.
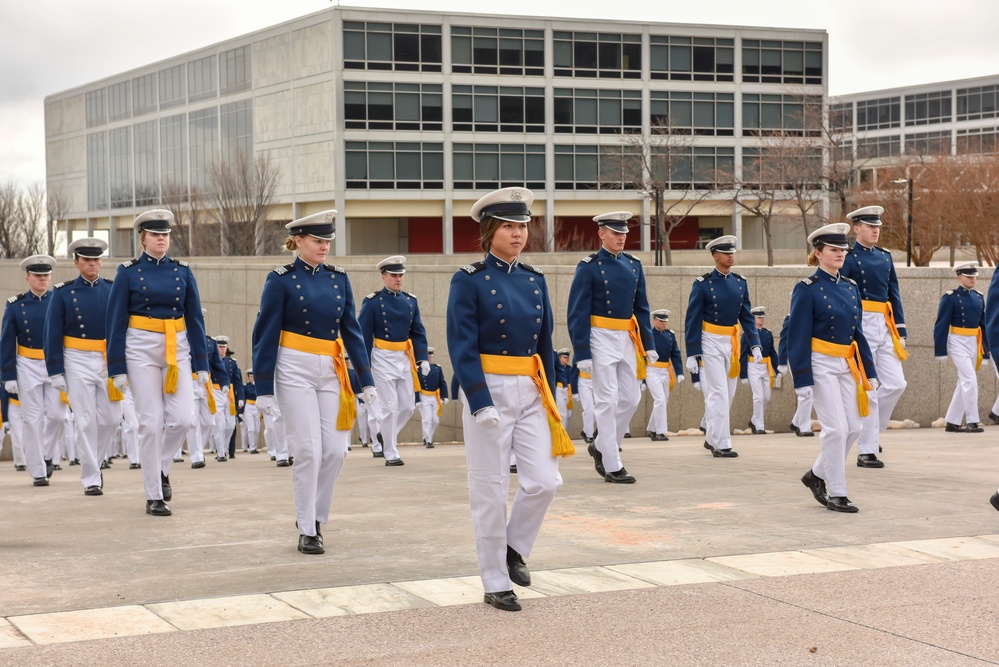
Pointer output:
x,y
651,357
446,401
782,369
10,386
203,378
641,387
224,388
585,366
240,404
803,392
679,379
120,382
266,405
757,353
744,380
874,382
575,397
985,363
488,418
696,385
693,366
370,395
902,339
58,382
424,368
940,359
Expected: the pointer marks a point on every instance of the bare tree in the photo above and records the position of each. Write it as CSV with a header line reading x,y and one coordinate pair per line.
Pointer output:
x,y
22,218
188,210
241,193
58,202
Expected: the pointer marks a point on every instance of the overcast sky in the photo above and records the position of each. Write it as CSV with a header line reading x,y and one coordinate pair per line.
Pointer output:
x,y
47,46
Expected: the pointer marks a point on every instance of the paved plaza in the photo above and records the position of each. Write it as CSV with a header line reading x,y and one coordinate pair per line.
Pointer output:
x,y
703,562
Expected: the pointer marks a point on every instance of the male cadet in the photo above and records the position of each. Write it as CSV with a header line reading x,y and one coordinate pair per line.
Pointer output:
x,y
759,375
872,269
223,389
251,415
719,302
611,336
563,385
396,342
75,357
22,366
236,397
662,375
959,333
433,398
801,423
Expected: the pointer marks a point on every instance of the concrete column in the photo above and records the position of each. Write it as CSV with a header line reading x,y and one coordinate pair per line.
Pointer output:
x,y
737,225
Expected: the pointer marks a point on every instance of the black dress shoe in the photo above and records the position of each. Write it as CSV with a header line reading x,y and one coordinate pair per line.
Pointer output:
x,y
198,464
708,447
254,451
273,458
724,453
953,428
817,485
134,466
93,491
221,459
841,504
505,600
513,469
157,508
178,460
41,481
598,458
428,445
74,462
20,468
283,463
619,477
49,468
165,485
702,429
974,427
56,466
995,500
519,574
756,431
394,462
378,437
869,461
650,434
807,434
659,437
796,430
311,544
993,417
627,435
377,455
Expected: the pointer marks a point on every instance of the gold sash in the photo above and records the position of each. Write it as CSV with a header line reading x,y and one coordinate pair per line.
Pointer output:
x,y
631,326
170,329
852,355
733,333
330,348
885,308
977,333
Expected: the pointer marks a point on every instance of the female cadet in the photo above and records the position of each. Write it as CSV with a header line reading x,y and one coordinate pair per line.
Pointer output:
x,y
156,337
306,320
827,351
499,334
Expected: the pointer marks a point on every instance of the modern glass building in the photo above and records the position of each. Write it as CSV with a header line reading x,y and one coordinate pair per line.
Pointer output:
x,y
400,120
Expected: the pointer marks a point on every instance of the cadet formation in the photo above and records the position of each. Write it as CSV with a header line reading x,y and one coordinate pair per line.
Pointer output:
x,y
95,370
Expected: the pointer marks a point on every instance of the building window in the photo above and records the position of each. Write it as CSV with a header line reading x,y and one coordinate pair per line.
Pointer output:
x,y
97,107
878,114
119,101
589,111
928,143
202,77
97,171
869,148
692,167
237,130
589,54
979,140
144,94
173,155
120,149
980,102
497,51
691,58
147,190
235,72
927,108
497,109
494,166
787,114
703,114
173,86
373,165
203,131
595,167
392,106
391,46
841,117
768,168
769,61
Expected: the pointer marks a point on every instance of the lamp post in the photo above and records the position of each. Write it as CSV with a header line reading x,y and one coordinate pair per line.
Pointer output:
x,y
908,243
658,256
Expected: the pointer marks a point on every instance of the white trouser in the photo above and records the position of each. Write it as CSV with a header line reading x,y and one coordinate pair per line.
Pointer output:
x,y
274,435
523,431
835,396
195,441
759,382
995,406
718,389
562,403
43,412
963,350
206,422
95,414
615,391
891,382
585,388
363,432
657,380
251,426
16,421
428,415
164,419
67,446
308,390
220,423
803,413
396,396
129,427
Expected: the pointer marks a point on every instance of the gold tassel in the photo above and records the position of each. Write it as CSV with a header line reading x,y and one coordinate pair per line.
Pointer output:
x,y
899,350
232,401
63,397
113,392
170,385
641,367
348,412
862,403
212,407
561,444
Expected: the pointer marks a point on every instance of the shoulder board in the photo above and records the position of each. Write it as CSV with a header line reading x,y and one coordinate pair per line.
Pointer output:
x,y
109,281
589,258
409,294
131,262
949,292
977,292
809,281
16,297
59,285
739,276
281,270
533,269
473,268
704,277
371,296
630,256
182,263
849,280
335,268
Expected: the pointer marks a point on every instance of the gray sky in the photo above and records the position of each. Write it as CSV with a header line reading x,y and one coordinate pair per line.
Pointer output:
x,y
47,46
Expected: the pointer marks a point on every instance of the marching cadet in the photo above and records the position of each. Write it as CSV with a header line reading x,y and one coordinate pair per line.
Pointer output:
x,y
236,396
499,336
759,375
397,343
827,351
719,303
251,416
662,376
433,398
301,366
959,334
801,423
22,365
275,437
76,358
873,270
563,385
156,339
203,424
608,322
223,405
